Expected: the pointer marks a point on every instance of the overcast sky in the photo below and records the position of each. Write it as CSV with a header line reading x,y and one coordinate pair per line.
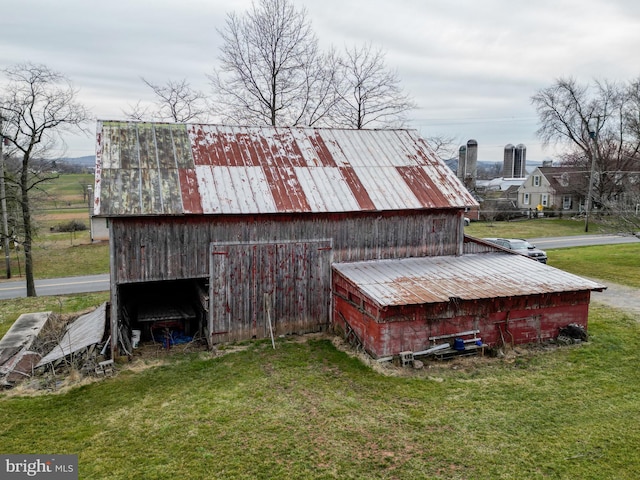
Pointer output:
x,y
470,65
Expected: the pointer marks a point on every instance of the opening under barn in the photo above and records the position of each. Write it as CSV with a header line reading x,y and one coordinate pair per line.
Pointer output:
x,y
166,312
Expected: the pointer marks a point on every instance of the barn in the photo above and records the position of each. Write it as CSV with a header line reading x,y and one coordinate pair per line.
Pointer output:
x,y
235,233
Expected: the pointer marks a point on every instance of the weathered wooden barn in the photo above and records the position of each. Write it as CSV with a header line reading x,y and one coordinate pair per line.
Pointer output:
x,y
239,232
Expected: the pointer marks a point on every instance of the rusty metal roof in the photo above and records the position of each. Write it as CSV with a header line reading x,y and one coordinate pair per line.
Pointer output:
x,y
414,281
180,169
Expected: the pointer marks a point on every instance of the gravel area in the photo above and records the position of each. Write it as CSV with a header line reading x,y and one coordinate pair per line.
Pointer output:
x,y
619,296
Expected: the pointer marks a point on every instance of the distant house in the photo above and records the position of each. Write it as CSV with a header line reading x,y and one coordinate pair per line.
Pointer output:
x,y
555,188
234,233
499,184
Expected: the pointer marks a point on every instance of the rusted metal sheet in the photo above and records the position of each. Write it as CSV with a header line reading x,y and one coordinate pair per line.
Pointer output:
x,y
17,361
411,281
177,169
85,331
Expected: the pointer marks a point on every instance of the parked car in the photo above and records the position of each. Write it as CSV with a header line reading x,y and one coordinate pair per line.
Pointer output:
x,y
521,246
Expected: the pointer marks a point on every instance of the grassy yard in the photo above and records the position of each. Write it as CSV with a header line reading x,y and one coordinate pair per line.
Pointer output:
x,y
61,254
309,410
613,263
10,310
541,227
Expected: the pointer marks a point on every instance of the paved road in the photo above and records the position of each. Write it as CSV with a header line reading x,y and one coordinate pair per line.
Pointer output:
x,y
56,286
581,241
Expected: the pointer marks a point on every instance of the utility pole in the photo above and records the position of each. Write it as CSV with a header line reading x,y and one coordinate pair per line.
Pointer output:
x,y
593,135
3,203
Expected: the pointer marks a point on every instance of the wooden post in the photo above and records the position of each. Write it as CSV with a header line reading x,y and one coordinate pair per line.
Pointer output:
x,y
267,311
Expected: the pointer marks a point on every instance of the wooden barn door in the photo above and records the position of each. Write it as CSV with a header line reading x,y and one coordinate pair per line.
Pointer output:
x,y
260,289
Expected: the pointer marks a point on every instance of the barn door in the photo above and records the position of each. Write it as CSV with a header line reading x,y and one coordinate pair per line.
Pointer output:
x,y
257,288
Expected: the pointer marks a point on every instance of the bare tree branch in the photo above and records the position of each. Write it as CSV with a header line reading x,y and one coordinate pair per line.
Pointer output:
x,y
175,101
599,124
37,106
271,72
370,94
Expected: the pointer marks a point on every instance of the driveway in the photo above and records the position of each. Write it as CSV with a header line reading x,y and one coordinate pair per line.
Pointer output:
x,y
619,296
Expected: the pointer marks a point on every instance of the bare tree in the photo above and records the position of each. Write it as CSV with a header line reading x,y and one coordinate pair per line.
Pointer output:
x,y
596,123
370,94
140,112
175,101
271,72
37,106
445,146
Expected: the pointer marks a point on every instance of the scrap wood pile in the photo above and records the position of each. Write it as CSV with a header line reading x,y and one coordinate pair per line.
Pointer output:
x,y
44,342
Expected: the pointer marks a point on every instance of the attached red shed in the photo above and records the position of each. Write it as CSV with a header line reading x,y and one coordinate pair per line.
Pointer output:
x,y
400,305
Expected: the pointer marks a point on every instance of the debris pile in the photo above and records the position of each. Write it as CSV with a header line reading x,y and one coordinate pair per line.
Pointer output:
x,y
572,333
45,342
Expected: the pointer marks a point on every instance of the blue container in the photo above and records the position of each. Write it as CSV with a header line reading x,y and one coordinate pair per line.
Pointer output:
x,y
458,344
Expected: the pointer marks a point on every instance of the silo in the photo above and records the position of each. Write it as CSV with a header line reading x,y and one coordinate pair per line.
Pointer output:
x,y
509,157
472,164
520,161
462,162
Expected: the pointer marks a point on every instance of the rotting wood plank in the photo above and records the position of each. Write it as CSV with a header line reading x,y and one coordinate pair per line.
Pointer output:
x,y
354,238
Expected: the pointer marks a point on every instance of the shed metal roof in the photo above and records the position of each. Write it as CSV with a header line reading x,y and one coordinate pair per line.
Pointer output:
x,y
414,281
180,169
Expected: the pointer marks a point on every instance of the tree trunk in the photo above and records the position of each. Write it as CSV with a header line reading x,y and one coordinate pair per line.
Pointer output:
x,y
28,234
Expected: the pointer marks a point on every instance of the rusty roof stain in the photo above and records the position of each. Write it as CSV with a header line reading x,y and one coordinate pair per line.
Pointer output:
x,y
183,169
423,280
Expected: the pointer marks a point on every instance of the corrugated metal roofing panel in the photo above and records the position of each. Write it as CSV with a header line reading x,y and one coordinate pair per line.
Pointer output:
x,y
413,281
84,331
326,190
175,169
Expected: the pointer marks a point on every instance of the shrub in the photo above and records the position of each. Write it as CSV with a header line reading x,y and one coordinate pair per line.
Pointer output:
x,y
72,226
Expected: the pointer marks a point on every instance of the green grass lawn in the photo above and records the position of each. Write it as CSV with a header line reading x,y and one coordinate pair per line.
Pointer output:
x,y
10,310
68,188
309,410
613,263
541,227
